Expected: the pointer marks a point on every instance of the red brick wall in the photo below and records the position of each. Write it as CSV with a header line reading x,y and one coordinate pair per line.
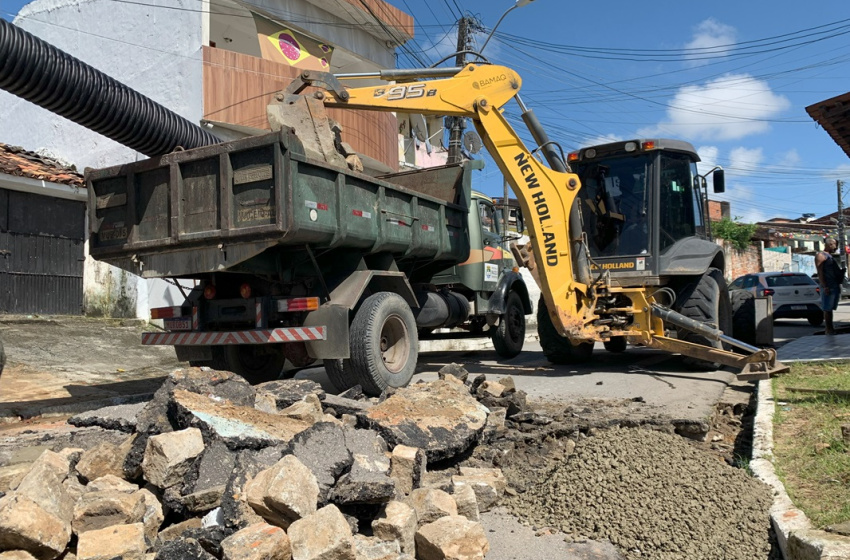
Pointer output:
x,y
743,262
717,210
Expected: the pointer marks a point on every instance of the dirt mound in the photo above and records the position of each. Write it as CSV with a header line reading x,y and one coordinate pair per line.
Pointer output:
x,y
651,494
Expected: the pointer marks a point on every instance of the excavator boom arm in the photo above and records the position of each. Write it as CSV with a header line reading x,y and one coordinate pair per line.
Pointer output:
x,y
545,195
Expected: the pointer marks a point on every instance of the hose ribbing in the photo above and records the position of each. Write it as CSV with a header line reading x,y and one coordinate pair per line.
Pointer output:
x,y
34,70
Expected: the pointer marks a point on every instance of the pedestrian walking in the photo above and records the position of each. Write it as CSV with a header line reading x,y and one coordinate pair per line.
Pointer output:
x,y
830,276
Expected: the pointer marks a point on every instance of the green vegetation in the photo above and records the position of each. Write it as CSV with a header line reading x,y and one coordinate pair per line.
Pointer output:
x,y
739,235
811,457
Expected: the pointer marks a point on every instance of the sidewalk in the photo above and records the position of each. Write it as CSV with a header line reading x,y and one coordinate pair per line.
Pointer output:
x,y
797,538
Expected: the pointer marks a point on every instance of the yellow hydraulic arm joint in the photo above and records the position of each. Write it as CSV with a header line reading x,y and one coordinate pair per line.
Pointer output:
x,y
479,92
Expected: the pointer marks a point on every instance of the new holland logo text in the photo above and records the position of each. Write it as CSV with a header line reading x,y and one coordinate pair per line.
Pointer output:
x,y
540,207
624,265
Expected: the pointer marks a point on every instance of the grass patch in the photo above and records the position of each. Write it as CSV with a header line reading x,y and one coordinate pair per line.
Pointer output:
x,y
810,454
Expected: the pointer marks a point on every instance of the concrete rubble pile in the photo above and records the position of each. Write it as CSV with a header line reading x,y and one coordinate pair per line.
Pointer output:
x,y
212,467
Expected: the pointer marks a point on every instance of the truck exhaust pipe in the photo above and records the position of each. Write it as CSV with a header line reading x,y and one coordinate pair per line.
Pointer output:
x,y
35,70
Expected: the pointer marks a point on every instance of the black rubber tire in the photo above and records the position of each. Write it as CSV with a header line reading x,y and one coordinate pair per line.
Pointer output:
x,y
707,301
384,343
256,363
340,374
815,320
509,336
743,316
616,344
218,362
556,348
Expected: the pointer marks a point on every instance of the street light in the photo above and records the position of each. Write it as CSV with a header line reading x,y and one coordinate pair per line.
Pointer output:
x,y
518,4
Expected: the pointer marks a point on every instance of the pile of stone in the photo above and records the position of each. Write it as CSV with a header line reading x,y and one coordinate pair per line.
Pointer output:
x,y
212,467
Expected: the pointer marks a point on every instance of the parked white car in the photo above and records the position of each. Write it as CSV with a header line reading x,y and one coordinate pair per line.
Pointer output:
x,y
795,295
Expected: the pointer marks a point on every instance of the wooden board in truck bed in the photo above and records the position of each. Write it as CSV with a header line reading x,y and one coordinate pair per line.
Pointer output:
x,y
211,208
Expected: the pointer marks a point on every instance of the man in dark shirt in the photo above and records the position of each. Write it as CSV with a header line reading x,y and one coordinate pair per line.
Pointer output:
x,y
830,276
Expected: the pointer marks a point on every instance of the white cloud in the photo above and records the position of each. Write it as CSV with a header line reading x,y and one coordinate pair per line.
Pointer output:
x,y
744,206
728,108
840,172
713,39
446,46
606,139
708,156
790,158
745,161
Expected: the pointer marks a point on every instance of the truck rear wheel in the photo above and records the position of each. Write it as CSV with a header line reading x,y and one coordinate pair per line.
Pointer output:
x,y
509,336
384,343
255,362
340,374
706,301
556,348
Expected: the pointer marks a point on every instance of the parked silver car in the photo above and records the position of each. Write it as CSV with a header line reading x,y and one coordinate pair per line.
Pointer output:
x,y
795,295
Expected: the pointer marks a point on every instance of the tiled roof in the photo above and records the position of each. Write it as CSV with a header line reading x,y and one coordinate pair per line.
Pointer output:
x,y
15,160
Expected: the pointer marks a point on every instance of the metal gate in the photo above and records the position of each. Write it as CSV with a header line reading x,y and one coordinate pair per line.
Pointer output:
x,y
42,254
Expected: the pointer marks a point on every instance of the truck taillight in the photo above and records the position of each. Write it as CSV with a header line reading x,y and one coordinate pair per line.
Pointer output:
x,y
245,290
298,304
573,156
209,291
166,312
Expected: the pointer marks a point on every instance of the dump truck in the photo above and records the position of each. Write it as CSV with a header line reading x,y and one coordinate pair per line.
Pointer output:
x,y
299,260
305,257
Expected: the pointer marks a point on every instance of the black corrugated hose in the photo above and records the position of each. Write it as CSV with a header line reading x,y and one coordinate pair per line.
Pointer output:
x,y
42,74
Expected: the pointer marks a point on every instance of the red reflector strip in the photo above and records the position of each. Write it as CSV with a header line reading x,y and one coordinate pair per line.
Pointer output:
x,y
263,336
166,312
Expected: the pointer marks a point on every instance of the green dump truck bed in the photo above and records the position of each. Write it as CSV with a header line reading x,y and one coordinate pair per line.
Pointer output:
x,y
216,207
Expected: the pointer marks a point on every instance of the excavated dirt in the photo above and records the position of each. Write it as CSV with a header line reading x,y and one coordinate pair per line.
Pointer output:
x,y
649,493
594,474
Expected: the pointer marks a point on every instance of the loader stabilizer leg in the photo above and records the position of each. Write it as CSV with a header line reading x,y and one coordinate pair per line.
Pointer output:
x,y
760,363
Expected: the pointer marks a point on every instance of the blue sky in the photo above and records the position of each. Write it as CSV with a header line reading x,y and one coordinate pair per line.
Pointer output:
x,y
733,78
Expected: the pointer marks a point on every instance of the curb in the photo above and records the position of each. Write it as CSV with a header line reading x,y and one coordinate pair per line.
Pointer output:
x,y
797,538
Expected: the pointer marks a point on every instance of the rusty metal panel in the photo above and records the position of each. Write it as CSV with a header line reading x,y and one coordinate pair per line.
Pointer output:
x,y
200,196
41,254
153,207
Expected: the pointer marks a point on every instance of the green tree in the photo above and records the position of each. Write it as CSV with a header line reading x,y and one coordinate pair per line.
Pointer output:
x,y
739,235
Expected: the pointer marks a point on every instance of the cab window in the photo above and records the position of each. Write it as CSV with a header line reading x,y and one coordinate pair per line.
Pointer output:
x,y
489,222
681,205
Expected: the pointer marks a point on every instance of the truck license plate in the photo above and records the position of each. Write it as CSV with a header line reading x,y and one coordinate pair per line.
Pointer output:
x,y
798,307
178,324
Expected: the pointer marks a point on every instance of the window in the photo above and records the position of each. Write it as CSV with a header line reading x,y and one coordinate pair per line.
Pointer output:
x,y
488,218
616,205
789,280
681,203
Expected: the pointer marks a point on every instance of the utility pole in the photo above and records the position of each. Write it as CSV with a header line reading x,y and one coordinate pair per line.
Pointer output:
x,y
841,243
457,124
